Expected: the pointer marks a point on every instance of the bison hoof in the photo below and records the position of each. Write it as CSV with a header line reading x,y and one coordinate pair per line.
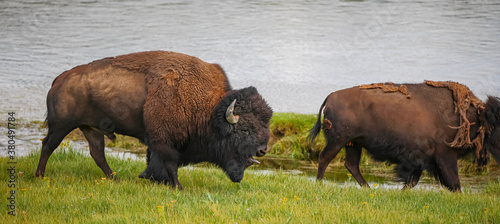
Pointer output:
x,y
143,175
38,174
178,187
113,177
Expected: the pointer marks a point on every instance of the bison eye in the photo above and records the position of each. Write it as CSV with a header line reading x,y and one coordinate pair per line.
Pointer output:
x,y
246,132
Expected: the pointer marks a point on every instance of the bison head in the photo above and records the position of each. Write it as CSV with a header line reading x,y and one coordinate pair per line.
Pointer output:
x,y
492,115
241,125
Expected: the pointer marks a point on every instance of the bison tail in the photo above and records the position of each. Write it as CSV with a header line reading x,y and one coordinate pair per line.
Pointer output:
x,y
44,125
317,127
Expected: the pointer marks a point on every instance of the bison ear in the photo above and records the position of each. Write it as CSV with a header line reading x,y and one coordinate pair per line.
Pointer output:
x,y
223,117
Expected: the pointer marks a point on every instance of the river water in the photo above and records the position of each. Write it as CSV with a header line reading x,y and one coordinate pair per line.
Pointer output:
x,y
294,51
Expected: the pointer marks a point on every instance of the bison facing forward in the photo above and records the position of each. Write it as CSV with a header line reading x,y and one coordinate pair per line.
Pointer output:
x,y
181,107
414,126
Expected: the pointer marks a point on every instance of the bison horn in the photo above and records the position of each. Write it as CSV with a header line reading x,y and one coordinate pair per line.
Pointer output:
x,y
230,117
254,160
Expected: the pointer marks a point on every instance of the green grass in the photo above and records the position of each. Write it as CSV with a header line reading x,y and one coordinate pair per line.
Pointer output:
x,y
75,192
289,136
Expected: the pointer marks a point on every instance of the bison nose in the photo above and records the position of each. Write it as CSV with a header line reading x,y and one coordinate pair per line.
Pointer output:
x,y
261,151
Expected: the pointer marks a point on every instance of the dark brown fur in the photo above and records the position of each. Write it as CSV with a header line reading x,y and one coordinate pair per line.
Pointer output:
x,y
414,133
166,100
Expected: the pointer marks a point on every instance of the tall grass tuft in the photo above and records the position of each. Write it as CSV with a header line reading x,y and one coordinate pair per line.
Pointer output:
x,y
289,136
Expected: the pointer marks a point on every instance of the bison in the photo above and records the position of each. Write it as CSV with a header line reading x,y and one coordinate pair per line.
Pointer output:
x,y
181,107
424,126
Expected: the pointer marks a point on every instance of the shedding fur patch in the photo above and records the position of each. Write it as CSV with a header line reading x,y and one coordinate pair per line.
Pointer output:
x,y
388,88
327,125
464,98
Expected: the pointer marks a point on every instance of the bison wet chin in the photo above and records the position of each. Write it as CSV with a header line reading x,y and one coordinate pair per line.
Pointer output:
x,y
235,171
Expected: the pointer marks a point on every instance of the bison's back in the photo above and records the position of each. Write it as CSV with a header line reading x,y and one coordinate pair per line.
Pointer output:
x,y
98,95
392,125
372,108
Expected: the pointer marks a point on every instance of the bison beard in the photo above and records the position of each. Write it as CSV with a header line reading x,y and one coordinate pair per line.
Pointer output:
x,y
414,133
174,103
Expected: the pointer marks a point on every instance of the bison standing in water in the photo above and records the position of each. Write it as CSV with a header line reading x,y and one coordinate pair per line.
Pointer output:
x,y
181,107
417,126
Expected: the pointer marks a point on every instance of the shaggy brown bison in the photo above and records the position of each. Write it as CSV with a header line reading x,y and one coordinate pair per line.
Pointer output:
x,y
420,127
181,107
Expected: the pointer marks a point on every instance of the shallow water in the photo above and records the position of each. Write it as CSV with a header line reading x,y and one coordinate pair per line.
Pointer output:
x,y
295,52
377,178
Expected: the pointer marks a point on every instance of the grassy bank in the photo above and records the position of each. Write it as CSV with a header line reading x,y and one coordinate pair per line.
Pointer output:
x,y
75,191
289,136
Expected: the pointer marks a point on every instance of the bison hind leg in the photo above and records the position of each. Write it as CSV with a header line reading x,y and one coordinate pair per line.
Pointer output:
x,y
330,151
409,174
352,158
54,137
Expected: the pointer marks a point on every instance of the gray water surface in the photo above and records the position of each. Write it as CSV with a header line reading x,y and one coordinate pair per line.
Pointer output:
x,y
294,52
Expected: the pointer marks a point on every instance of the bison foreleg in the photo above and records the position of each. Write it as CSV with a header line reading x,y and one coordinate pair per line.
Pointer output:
x,y
96,147
155,171
172,169
352,158
495,152
144,174
448,169
163,166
